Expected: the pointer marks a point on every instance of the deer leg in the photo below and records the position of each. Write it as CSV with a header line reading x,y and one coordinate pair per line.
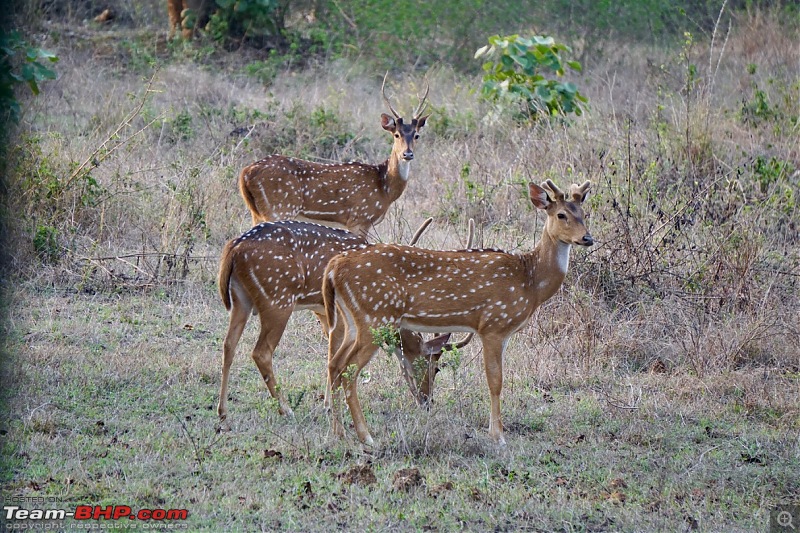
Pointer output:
x,y
272,327
174,8
335,337
240,312
360,355
337,355
493,364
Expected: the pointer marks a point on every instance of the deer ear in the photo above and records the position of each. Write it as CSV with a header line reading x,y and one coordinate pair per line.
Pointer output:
x,y
539,196
421,122
388,123
436,344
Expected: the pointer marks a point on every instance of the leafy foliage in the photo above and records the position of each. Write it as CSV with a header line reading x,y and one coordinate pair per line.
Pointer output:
x,y
21,63
515,69
386,338
246,18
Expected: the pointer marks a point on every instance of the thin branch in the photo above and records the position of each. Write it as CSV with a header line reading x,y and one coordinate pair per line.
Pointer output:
x,y
125,123
150,254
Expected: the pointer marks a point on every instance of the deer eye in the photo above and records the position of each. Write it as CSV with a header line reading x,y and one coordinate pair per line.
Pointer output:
x,y
396,135
562,216
416,136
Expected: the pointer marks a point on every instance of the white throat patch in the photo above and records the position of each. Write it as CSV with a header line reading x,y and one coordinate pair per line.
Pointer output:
x,y
403,167
562,256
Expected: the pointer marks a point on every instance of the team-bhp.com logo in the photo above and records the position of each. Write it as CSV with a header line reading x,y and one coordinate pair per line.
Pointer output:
x,y
15,513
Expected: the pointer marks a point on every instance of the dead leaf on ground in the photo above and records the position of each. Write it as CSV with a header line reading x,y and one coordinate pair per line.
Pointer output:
x,y
618,483
617,497
273,454
407,478
359,475
436,490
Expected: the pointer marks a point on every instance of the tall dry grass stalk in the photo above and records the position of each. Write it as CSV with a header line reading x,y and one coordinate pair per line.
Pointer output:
x,y
129,182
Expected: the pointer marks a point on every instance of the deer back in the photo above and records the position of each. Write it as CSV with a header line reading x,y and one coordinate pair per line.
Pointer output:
x,y
429,290
343,194
281,264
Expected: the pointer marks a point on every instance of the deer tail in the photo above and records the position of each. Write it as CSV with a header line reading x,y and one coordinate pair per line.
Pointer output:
x,y
249,200
225,270
329,295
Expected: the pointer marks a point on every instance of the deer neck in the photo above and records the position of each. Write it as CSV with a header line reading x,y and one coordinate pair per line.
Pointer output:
x,y
547,266
396,176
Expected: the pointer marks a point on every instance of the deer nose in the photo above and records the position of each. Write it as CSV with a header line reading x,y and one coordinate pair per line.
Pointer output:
x,y
408,155
587,240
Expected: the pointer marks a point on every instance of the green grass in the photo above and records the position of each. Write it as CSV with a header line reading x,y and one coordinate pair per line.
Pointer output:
x,y
134,423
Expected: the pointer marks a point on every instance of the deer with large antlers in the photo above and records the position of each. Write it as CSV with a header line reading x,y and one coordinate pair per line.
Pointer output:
x,y
276,268
487,292
351,195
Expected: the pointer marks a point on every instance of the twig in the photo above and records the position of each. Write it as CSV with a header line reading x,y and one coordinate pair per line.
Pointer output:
x,y
700,459
615,402
150,254
30,415
243,139
345,17
680,211
126,122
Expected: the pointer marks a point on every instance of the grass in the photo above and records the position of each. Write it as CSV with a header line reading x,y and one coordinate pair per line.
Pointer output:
x,y
116,398
658,390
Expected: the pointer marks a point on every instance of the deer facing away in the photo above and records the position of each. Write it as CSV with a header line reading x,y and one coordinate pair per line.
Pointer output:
x,y
487,292
276,268
352,195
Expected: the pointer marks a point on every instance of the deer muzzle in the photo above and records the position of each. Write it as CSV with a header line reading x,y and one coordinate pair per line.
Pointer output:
x,y
587,240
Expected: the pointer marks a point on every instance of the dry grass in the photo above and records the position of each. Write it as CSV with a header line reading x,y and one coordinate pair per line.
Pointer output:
x,y
657,391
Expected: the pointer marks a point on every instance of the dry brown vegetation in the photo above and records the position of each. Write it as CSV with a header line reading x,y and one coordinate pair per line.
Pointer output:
x,y
658,390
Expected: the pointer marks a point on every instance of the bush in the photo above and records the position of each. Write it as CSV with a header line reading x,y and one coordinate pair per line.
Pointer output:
x,y
253,19
20,63
515,71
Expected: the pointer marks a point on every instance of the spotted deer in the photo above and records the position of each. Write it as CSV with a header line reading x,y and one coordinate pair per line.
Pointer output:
x,y
351,195
487,292
275,269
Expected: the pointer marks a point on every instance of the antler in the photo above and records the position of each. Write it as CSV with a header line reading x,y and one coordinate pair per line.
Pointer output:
x,y
578,192
558,193
459,345
422,103
420,231
385,99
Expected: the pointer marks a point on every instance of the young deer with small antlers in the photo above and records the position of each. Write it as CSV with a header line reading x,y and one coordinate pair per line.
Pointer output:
x,y
277,268
352,195
487,292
